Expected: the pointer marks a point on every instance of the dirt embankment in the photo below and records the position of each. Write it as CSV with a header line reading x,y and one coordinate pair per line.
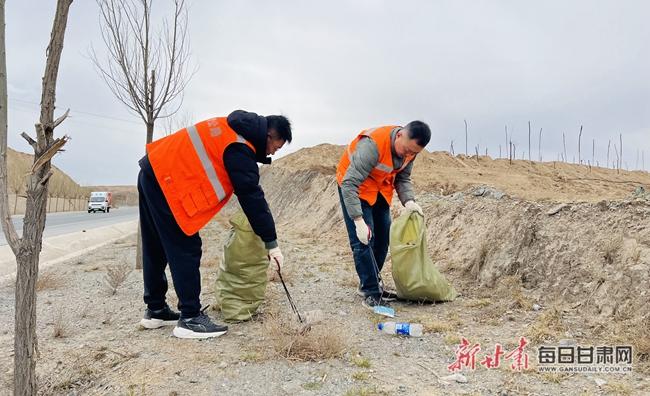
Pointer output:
x,y
441,173
571,237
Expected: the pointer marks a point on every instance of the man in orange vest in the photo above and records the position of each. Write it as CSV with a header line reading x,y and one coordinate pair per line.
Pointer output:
x,y
377,162
185,179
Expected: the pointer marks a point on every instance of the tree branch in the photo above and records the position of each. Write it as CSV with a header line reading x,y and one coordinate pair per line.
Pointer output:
x,y
49,153
29,139
59,120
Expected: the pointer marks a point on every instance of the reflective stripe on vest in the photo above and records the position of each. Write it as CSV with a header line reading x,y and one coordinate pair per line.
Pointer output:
x,y
383,168
205,161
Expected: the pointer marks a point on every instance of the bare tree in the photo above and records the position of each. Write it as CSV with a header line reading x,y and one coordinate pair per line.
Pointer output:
x,y
177,122
466,152
609,142
539,145
579,138
529,152
146,71
593,150
620,147
506,146
27,249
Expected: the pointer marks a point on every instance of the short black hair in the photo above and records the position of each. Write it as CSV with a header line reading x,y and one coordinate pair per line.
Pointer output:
x,y
419,131
281,125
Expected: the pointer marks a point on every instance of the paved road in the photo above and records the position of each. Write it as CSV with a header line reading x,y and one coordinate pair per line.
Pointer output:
x,y
67,222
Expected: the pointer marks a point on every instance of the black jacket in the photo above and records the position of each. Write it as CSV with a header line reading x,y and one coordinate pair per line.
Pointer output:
x,y
241,164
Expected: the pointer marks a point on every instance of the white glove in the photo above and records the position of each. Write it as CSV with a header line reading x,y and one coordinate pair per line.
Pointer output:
x,y
363,231
412,206
276,258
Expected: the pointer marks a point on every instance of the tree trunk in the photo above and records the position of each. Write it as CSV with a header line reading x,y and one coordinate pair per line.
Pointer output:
x,y
15,203
138,249
27,256
25,341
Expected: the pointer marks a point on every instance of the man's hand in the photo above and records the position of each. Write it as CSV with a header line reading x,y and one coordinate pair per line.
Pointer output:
x,y
412,206
275,256
363,231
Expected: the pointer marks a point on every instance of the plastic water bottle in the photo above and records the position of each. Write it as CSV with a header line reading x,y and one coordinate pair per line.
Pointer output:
x,y
407,329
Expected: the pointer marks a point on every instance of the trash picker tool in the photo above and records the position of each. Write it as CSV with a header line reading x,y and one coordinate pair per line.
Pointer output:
x,y
286,291
380,309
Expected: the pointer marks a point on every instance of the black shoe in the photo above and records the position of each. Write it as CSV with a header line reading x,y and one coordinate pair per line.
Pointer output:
x,y
159,318
388,295
371,302
198,327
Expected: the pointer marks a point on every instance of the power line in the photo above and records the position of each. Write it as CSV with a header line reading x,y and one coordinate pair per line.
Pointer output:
x,y
80,112
77,121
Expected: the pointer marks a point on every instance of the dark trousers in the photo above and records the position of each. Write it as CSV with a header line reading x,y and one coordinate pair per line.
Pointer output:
x,y
378,219
164,242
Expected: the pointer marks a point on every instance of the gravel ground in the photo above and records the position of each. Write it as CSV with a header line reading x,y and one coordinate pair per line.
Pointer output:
x,y
90,342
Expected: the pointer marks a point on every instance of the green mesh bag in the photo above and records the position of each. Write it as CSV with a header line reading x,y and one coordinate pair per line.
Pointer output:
x,y
415,276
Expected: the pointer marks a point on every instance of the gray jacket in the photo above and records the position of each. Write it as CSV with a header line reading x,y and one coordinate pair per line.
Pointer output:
x,y
364,159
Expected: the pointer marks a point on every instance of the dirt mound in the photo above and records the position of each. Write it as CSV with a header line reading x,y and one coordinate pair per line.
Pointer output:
x,y
444,174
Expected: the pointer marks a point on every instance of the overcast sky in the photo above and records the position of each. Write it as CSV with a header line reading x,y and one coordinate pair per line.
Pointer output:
x,y
337,67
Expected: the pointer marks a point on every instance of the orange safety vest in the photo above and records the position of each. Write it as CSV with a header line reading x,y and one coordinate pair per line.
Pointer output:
x,y
189,168
382,176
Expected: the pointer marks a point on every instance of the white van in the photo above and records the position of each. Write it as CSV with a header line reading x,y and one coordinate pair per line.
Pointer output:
x,y
100,201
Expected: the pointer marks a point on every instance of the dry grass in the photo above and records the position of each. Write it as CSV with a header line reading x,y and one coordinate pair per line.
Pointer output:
x,y
312,386
618,389
431,324
478,303
365,391
452,339
115,276
251,357
634,252
48,281
479,260
292,343
637,333
71,380
510,289
60,325
554,378
360,376
547,326
361,362
611,248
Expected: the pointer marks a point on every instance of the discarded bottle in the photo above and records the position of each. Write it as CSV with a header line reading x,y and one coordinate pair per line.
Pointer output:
x,y
407,329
